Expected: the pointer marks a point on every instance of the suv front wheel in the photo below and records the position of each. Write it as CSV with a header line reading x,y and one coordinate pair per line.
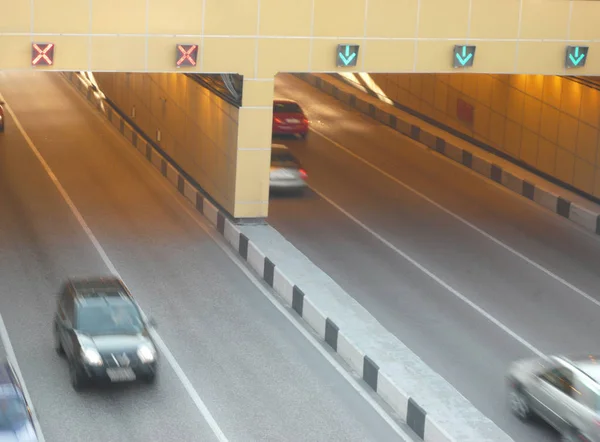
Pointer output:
x,y
57,344
77,379
519,403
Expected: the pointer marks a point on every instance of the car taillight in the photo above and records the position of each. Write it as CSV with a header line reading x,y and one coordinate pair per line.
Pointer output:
x,y
305,120
278,120
303,174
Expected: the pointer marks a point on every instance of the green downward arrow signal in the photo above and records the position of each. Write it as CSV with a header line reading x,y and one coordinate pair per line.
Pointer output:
x,y
465,58
348,57
578,57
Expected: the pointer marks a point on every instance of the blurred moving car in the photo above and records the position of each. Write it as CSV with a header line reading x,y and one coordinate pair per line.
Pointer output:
x,y
1,116
286,172
289,118
563,391
16,422
100,329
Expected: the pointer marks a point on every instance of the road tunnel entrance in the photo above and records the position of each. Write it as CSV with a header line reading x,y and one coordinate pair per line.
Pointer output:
x,y
545,124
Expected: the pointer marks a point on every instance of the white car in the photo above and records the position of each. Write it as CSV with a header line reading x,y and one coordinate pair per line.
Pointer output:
x,y
564,391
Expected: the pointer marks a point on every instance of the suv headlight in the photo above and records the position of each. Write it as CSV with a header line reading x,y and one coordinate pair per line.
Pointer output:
x,y
91,356
146,354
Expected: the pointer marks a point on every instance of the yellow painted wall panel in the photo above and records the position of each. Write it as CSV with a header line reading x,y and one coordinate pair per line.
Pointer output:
x,y
583,176
529,147
485,84
118,53
224,55
388,55
16,51
428,88
49,16
597,183
534,86
516,102
181,17
119,17
567,132
570,100
517,81
565,163
339,18
434,56
231,17
441,96
444,19
499,96
258,92
590,107
545,19
415,84
392,18
19,18
540,57
587,142
70,52
277,18
494,19
512,138
255,128
546,160
497,129
252,163
584,20
482,122
552,90
532,113
286,55
470,86
324,55
549,123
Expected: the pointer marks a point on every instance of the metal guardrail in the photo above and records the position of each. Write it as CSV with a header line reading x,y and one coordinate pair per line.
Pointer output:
x,y
591,82
217,84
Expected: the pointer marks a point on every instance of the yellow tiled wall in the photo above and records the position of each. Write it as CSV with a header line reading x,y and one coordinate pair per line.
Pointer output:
x,y
549,122
258,38
197,128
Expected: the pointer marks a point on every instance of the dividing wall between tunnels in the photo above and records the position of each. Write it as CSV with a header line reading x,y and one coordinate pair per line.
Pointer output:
x,y
225,149
549,122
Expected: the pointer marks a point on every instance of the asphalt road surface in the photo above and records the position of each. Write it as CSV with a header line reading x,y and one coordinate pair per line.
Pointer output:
x,y
256,373
467,295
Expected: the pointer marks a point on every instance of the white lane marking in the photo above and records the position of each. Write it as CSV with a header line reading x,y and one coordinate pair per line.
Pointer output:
x,y
163,347
432,276
462,220
12,359
216,237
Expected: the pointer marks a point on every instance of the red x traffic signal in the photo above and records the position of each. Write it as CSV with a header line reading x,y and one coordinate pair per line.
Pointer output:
x,y
186,55
42,54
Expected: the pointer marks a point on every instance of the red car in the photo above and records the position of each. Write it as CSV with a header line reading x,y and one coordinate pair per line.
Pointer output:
x,y
289,118
1,117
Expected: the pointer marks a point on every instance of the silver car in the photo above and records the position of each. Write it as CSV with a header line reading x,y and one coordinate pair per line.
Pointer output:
x,y
564,391
286,172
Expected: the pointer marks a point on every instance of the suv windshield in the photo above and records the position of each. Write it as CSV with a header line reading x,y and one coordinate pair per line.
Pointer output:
x,y
108,318
13,414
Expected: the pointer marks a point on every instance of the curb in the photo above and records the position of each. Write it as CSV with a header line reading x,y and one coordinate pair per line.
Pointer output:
x,y
409,410
572,211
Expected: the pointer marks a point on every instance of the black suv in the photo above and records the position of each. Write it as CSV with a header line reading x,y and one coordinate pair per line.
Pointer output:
x,y
101,330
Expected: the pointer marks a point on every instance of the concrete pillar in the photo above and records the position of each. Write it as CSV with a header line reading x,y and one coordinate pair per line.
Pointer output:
x,y
253,157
